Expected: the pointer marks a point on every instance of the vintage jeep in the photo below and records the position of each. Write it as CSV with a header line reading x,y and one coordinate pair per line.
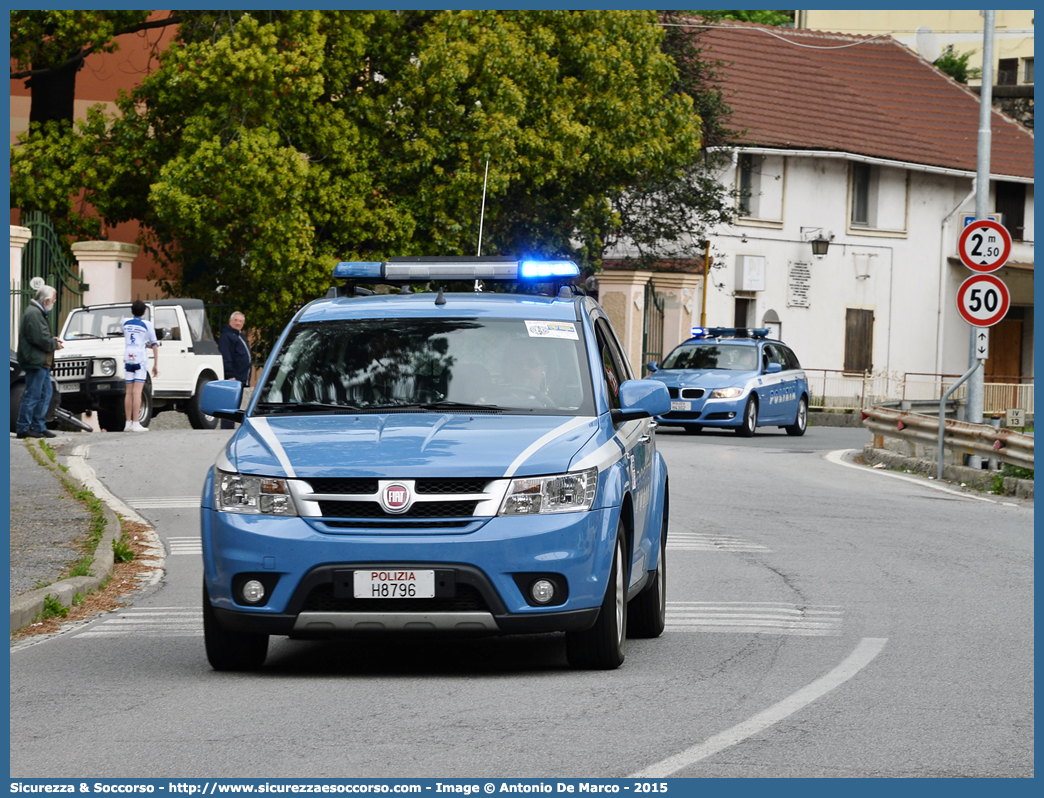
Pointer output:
x,y
89,369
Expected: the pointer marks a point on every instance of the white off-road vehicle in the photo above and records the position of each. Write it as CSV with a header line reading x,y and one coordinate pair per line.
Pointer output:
x,y
89,367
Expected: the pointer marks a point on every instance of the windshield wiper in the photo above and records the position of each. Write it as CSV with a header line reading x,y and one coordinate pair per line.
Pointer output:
x,y
307,407
439,406
77,336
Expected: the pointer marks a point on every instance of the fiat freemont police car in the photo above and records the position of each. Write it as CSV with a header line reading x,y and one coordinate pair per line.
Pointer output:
x,y
429,461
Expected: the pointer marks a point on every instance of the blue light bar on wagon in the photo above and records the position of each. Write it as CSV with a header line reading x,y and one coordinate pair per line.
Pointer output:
x,y
729,332
423,269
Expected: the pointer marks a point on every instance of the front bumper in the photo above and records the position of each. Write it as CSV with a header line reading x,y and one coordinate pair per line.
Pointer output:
x,y
707,412
477,574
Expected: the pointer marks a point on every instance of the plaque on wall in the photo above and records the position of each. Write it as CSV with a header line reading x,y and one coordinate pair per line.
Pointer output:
x,y
799,280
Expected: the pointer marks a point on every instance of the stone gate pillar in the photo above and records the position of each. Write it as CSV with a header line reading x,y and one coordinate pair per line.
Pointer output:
x,y
19,238
106,267
621,293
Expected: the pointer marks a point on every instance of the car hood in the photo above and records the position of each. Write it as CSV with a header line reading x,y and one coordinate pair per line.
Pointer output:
x,y
702,378
91,347
407,445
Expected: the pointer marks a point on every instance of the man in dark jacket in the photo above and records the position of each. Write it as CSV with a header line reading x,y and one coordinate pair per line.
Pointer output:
x,y
36,348
235,351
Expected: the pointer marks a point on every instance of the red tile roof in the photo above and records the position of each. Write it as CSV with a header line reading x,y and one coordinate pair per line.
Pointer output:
x,y
864,95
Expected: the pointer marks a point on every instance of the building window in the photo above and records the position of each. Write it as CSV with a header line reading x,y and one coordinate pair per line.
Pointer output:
x,y
1011,202
1027,70
859,340
1007,72
878,198
861,194
759,181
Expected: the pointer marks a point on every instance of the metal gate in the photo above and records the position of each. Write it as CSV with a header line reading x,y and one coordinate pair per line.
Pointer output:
x,y
44,257
652,327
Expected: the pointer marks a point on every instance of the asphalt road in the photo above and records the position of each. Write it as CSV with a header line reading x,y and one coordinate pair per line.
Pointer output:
x,y
823,620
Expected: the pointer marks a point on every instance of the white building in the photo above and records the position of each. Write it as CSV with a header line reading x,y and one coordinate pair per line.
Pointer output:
x,y
862,142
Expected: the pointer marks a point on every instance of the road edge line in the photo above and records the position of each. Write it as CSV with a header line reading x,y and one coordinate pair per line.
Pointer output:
x,y
861,656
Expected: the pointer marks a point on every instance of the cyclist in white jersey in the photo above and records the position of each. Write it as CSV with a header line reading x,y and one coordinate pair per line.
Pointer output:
x,y
139,336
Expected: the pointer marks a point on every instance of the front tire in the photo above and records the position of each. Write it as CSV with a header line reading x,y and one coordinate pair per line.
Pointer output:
x,y
800,421
647,613
602,646
197,418
230,651
17,392
750,419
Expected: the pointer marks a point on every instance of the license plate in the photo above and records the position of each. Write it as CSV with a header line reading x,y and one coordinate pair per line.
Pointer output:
x,y
394,584
68,387
679,405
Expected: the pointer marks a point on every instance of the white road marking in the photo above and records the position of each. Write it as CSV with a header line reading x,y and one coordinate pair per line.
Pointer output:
x,y
863,655
767,618
185,546
164,502
152,622
695,541
838,458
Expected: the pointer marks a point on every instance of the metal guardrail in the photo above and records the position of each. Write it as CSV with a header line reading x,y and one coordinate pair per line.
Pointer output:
x,y
1005,445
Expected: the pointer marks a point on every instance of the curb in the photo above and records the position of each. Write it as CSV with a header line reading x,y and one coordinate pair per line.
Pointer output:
x,y
28,606
972,477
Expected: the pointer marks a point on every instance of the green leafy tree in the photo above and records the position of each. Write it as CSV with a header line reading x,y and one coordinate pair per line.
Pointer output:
x,y
956,66
760,16
269,145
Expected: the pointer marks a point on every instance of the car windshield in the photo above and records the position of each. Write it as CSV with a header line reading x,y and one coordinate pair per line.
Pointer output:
x,y
424,364
733,357
98,322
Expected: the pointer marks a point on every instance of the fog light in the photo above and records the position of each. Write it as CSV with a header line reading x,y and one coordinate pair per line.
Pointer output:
x,y
542,591
253,591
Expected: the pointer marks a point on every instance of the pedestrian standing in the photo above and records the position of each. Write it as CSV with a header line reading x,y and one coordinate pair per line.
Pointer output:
x,y
235,351
36,347
139,336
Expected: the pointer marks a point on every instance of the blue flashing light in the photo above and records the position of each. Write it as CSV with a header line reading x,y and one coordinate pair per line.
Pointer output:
x,y
697,332
738,332
359,270
547,268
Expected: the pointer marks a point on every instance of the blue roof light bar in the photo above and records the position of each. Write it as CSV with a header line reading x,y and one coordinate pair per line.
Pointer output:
x,y
424,269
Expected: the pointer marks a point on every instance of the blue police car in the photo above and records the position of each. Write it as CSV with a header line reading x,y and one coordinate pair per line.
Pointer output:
x,y
733,378
438,462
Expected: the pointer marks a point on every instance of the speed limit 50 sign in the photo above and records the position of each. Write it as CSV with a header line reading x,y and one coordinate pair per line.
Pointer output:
x,y
984,246
983,300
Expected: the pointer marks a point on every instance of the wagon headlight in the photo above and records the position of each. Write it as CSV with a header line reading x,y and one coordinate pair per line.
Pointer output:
x,y
239,493
107,366
726,393
562,493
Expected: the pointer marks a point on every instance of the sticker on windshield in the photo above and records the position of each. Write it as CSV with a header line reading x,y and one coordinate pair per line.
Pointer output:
x,y
552,329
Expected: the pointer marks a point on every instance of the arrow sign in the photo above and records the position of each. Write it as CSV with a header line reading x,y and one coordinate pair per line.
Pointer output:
x,y
984,246
982,343
983,300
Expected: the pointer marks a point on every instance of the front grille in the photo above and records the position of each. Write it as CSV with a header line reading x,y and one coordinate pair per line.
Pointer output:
x,y
333,509
468,599
692,393
451,485
70,367
673,393
337,485
395,524
682,415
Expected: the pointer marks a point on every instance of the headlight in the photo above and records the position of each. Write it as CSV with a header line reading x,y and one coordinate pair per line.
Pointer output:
x,y
562,493
107,366
726,393
238,493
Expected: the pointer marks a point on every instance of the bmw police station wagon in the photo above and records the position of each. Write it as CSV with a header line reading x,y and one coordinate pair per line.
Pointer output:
x,y
453,462
734,378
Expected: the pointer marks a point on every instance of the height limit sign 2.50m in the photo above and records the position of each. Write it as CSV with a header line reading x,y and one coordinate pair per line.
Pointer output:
x,y
984,246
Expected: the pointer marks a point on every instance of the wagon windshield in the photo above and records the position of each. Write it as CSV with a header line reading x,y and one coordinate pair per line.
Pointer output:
x,y
430,365
732,357
98,322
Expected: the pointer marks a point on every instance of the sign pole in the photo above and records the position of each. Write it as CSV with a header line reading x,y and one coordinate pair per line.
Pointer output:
x,y
982,198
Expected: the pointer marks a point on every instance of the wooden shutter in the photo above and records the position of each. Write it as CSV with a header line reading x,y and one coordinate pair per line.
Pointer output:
x,y
859,340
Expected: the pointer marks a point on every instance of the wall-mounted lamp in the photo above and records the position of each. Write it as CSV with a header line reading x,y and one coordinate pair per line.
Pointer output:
x,y
820,242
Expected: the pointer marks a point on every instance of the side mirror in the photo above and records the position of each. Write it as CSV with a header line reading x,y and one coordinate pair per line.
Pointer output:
x,y
221,398
652,365
773,368
641,399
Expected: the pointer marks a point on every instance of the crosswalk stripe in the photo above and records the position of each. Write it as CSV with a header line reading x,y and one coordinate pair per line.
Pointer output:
x,y
164,502
151,622
694,541
754,618
185,545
